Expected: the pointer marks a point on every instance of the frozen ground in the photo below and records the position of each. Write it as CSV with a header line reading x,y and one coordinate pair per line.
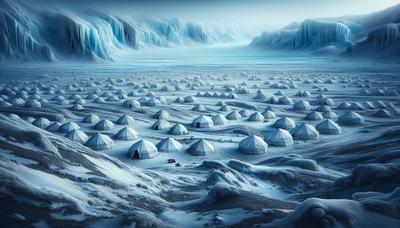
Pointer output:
x,y
345,180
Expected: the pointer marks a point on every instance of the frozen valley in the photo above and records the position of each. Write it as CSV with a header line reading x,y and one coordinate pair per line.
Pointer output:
x,y
112,121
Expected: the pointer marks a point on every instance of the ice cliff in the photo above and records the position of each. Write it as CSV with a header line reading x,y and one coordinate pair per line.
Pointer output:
x,y
28,33
310,34
375,34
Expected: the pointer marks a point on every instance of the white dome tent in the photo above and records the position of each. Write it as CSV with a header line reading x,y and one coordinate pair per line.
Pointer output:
x,y
99,142
68,126
313,116
142,149
301,106
351,118
257,117
169,145
285,123
253,145
125,120
160,125
202,122
201,148
162,114
329,127
219,120
305,132
280,137
178,129
91,118
234,115
41,122
77,136
126,133
104,124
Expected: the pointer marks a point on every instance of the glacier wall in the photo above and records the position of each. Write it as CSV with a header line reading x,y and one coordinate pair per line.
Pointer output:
x,y
384,36
382,41
30,34
320,33
310,34
376,34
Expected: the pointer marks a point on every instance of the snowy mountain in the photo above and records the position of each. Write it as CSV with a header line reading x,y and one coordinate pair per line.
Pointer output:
x,y
33,33
375,34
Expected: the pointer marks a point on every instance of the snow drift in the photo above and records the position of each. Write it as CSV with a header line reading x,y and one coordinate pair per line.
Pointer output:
x,y
28,33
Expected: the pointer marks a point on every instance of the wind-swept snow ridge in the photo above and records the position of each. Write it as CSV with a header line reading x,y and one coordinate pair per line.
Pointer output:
x,y
28,33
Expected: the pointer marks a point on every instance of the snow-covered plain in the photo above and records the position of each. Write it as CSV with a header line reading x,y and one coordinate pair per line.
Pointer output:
x,y
346,180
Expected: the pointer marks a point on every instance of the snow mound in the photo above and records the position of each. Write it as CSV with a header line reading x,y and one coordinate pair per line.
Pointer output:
x,y
369,209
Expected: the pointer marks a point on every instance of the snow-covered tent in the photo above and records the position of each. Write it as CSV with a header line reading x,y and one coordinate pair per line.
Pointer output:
x,y
383,113
219,120
344,105
285,100
356,106
329,127
225,108
256,116
280,137
305,132
77,107
301,105
125,120
99,142
41,122
244,113
199,108
268,114
152,102
69,126
202,122
126,133
91,118
104,124
178,129
54,127
201,148
330,115
253,145
351,118
285,123
131,104
272,100
162,114
234,115
142,149
160,125
379,104
77,136
33,104
323,108
190,99
169,145
313,116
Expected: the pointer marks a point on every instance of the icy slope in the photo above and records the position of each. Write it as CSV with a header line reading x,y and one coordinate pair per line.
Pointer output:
x,y
375,34
28,33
